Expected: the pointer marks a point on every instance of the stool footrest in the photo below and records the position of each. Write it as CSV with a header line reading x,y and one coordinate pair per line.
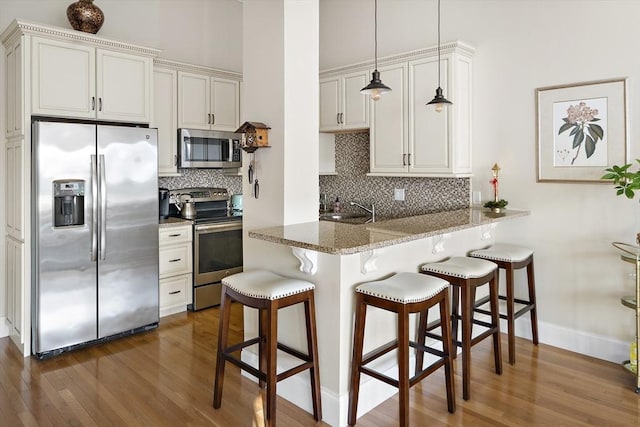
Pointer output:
x,y
240,346
528,306
245,366
296,353
379,351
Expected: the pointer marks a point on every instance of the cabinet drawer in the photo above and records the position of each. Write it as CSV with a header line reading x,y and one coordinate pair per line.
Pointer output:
x,y
177,234
174,291
175,260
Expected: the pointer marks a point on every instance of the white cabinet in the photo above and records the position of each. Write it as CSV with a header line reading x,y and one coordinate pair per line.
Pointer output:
x,y
75,80
388,141
15,194
14,294
208,102
410,138
176,267
327,154
14,117
342,106
165,118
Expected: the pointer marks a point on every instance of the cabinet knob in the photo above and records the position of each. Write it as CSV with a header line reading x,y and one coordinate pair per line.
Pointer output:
x,y
174,260
175,160
93,103
100,104
404,160
409,159
208,118
174,292
213,119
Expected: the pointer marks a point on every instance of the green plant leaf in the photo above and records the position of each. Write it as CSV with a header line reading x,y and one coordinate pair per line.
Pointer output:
x,y
577,140
564,127
589,146
595,119
629,193
575,129
608,175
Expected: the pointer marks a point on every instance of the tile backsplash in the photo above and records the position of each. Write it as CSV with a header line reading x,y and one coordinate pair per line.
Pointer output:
x,y
422,195
202,178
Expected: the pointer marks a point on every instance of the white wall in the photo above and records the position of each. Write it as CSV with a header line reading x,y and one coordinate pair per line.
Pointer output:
x,y
523,45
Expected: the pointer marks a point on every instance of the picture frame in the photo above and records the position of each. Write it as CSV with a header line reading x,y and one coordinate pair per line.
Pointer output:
x,y
582,129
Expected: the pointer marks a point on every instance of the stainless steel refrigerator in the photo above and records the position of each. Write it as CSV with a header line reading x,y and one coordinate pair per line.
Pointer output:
x,y
95,233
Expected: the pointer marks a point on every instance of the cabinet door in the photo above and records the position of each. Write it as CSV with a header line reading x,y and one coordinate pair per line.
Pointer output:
x,y
123,86
225,104
14,207
329,104
15,316
14,115
355,105
63,79
194,101
389,152
165,118
429,137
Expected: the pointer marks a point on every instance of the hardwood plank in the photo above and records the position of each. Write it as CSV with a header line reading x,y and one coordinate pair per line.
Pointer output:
x,y
164,377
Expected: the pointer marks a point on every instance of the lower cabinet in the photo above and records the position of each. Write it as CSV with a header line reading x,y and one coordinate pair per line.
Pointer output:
x,y
176,268
14,295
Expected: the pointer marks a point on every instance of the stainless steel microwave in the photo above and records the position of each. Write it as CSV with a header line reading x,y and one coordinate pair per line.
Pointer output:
x,y
209,149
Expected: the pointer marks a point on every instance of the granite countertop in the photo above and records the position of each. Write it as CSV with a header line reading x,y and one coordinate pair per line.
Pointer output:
x,y
174,222
344,239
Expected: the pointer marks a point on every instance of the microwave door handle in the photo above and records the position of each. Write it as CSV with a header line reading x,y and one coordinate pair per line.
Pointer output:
x,y
103,208
94,211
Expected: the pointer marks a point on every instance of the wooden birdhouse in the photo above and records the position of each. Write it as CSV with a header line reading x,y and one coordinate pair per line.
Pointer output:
x,y
256,134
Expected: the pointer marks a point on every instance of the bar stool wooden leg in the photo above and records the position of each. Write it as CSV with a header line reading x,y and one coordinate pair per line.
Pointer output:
x,y
466,341
358,342
532,299
223,338
448,348
495,319
403,365
312,351
510,314
455,316
272,349
422,335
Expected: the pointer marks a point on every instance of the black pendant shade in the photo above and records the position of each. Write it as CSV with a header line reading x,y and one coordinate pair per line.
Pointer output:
x,y
439,98
375,89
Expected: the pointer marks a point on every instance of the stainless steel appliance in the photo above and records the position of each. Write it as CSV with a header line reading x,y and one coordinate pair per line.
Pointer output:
x,y
163,202
95,233
217,241
209,149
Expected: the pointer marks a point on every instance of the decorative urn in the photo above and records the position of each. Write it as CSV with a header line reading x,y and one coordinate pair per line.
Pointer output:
x,y
85,16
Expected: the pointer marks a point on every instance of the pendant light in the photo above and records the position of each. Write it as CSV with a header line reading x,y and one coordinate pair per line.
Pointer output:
x,y
439,101
375,88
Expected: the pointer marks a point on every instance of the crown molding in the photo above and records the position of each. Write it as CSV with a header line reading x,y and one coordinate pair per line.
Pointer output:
x,y
192,68
19,26
445,48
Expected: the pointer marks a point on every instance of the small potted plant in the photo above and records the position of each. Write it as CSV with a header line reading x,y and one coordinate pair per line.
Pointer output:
x,y
496,206
625,182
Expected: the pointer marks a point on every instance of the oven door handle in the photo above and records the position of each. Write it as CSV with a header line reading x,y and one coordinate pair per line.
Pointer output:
x,y
218,227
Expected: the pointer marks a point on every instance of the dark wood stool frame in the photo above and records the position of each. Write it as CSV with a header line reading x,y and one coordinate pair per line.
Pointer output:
x,y
267,347
466,298
529,306
402,343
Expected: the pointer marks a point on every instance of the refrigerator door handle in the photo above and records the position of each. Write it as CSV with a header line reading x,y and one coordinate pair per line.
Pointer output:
x,y
103,208
94,202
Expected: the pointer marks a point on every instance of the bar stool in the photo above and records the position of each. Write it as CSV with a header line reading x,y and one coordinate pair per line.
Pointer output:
x,y
512,257
467,274
402,294
268,292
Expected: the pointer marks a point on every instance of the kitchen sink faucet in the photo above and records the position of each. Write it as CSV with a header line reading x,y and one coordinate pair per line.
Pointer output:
x,y
372,211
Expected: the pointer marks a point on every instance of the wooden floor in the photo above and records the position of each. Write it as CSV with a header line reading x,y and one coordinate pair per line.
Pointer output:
x,y
164,378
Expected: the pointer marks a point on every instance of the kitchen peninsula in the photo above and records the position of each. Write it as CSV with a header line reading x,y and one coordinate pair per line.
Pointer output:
x,y
337,257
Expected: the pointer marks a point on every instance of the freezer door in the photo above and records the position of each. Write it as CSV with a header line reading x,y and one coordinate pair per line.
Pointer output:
x,y
64,276
128,238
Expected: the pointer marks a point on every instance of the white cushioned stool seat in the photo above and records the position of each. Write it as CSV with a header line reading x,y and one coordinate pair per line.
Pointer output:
x,y
265,284
503,252
462,267
404,287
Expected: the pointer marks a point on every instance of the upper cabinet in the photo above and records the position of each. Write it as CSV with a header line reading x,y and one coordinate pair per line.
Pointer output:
x,y
342,106
56,72
165,118
407,138
208,101
410,138
81,81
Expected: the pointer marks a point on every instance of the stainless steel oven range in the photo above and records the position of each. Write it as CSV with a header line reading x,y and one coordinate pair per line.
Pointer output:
x,y
217,240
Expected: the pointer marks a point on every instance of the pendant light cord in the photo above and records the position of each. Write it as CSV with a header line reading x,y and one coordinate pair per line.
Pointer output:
x,y
375,31
439,43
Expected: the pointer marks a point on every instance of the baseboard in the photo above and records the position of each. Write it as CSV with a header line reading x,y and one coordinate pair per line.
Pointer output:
x,y
4,327
598,346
